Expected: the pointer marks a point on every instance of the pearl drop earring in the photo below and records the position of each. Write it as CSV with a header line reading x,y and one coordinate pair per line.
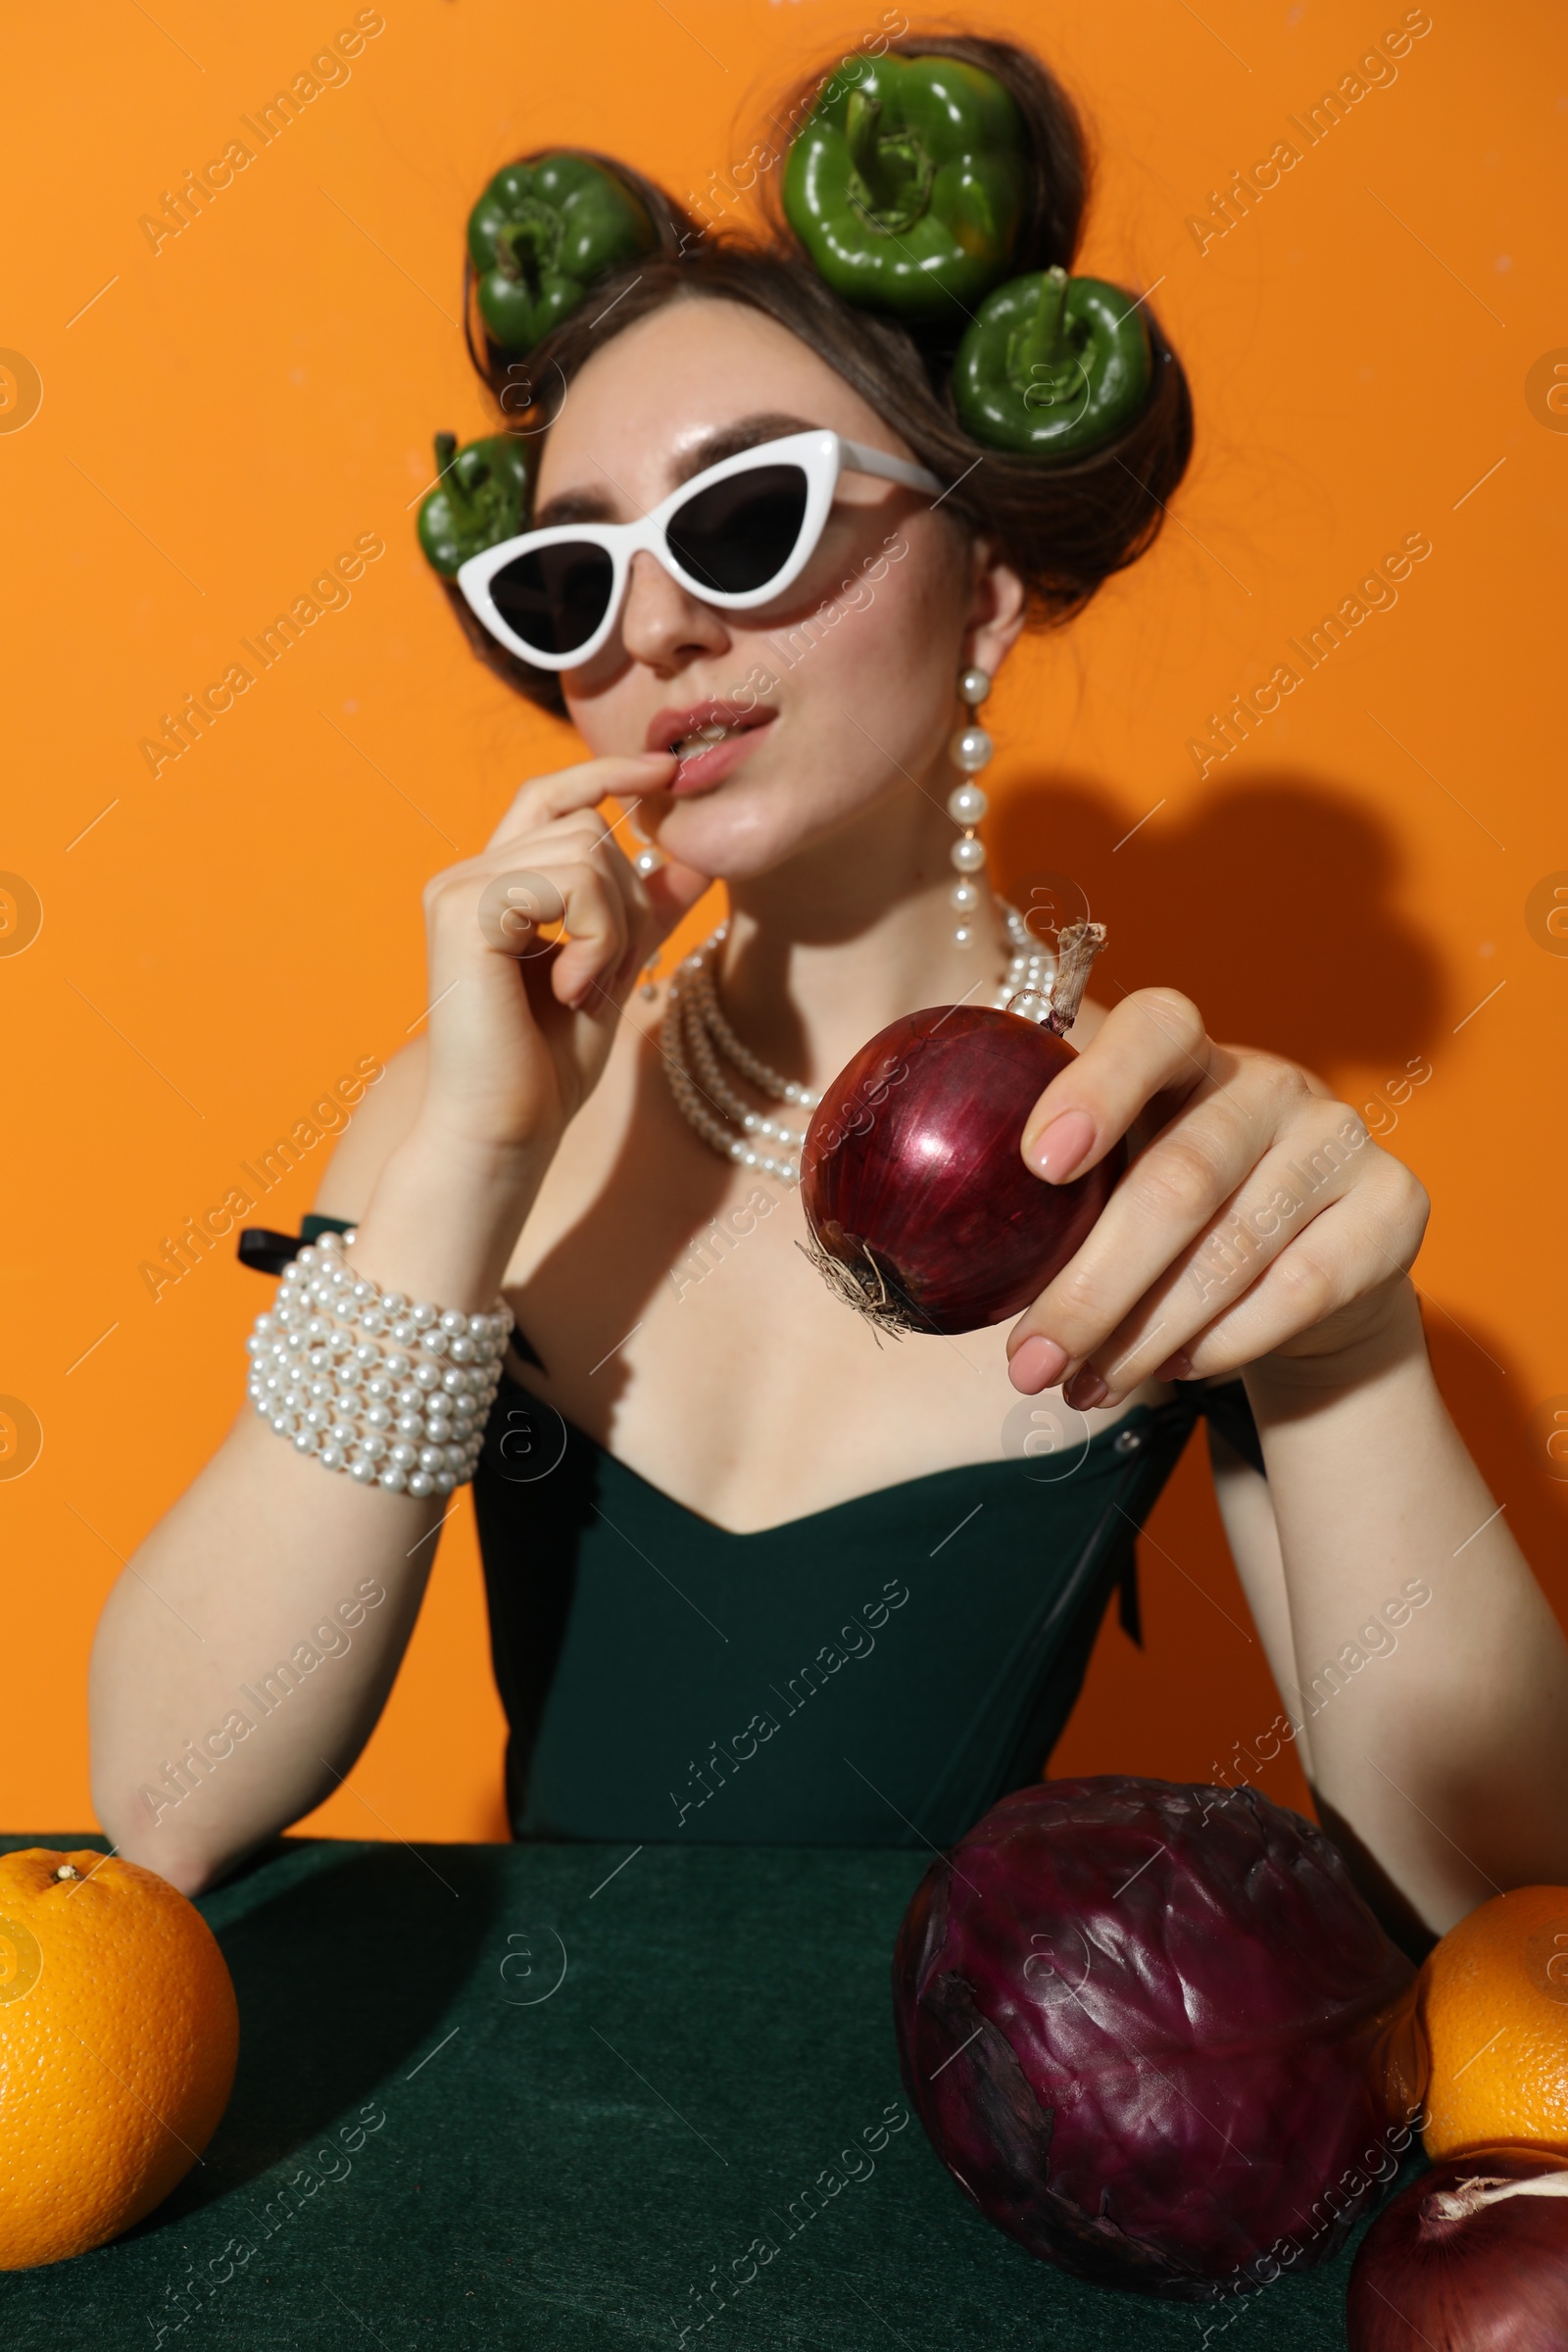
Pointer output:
x,y
969,750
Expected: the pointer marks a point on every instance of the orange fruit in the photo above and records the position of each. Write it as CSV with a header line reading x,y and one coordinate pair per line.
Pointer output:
x,y
1492,2014
118,2036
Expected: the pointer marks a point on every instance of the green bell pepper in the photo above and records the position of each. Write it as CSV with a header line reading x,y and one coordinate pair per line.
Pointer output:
x,y
481,499
540,234
1052,365
907,190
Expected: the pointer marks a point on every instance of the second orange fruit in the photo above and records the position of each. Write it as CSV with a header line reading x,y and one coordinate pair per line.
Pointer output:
x,y
1491,2012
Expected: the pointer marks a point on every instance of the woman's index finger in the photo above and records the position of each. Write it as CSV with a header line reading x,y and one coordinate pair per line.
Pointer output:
x,y
581,786
1150,1043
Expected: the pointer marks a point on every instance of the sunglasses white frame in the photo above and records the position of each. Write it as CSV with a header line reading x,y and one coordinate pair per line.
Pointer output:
x,y
823,455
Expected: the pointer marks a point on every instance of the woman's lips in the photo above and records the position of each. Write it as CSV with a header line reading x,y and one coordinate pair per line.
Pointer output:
x,y
701,771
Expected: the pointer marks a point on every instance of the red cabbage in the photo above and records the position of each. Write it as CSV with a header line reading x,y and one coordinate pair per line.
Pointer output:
x,y
1140,2024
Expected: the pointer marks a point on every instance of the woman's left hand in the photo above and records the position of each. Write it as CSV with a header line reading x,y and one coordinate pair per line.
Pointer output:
x,y
1259,1216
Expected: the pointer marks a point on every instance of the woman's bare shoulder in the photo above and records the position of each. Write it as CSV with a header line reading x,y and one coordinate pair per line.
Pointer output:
x,y
378,1125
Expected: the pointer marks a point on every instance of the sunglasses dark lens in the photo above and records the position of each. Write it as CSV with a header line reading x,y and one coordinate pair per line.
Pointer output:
x,y
554,598
739,534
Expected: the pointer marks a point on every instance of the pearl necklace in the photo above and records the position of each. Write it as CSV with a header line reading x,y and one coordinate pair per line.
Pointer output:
x,y
695,1034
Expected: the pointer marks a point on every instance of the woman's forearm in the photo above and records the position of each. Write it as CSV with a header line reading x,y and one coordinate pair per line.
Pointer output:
x,y
1432,1674
244,1655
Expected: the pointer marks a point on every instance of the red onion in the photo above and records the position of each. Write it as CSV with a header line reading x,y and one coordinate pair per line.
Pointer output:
x,y
921,1212
1473,2257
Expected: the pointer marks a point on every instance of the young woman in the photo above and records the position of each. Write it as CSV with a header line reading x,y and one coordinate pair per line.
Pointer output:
x,y
752,1575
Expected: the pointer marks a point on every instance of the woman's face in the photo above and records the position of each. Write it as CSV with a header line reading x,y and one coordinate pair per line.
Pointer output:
x,y
844,692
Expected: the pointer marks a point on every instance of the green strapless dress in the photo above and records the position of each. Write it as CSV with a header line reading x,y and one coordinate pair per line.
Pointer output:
x,y
874,1674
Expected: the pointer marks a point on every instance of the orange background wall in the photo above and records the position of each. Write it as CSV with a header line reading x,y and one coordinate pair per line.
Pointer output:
x,y
1371,352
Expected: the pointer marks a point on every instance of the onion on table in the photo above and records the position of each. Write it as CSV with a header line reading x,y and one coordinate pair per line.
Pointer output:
x,y
1472,2257
921,1212
1143,2026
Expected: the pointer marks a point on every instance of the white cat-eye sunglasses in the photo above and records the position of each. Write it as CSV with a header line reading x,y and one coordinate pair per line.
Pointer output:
x,y
735,535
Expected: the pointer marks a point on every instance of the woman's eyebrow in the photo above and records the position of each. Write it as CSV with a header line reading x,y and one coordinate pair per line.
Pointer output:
x,y
572,506
726,441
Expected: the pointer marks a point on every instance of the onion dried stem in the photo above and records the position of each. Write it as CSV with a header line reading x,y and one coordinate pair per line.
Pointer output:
x,y
1076,950
1465,2197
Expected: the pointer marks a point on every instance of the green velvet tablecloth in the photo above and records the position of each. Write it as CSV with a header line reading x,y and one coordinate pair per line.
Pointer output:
x,y
607,2082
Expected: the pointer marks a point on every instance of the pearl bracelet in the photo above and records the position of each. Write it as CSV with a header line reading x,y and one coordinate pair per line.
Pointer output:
x,y
395,1393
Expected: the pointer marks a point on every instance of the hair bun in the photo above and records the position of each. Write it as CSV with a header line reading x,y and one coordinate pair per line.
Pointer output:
x,y
910,186
548,227
541,233
906,184
1051,366
480,498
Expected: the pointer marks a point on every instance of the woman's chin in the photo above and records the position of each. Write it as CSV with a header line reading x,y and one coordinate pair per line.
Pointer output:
x,y
753,822
720,836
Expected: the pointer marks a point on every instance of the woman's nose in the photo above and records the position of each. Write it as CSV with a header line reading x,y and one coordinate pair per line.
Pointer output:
x,y
660,623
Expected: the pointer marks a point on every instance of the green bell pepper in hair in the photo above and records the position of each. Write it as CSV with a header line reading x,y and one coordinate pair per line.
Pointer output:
x,y
481,499
540,234
1052,365
908,189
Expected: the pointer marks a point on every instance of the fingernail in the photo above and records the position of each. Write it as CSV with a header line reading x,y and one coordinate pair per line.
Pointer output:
x,y
1085,1391
1039,1363
1175,1367
1059,1147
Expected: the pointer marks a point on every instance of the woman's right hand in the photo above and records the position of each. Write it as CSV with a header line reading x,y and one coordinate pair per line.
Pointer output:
x,y
521,1030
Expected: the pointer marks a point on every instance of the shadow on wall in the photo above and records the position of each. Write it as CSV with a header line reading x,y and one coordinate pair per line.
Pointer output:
x,y
1270,906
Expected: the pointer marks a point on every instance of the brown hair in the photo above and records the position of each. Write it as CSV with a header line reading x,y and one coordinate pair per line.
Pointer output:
x,y
1063,527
